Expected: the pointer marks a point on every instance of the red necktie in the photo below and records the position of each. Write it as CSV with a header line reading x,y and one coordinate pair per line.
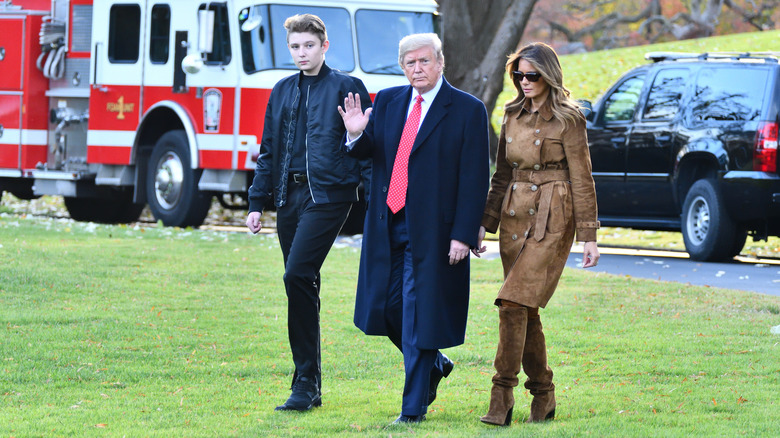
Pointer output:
x,y
396,194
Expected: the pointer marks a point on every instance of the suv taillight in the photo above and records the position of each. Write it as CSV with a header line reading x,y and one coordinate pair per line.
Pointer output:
x,y
765,152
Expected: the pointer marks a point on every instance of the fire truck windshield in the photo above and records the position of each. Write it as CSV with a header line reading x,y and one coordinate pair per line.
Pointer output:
x,y
264,39
378,34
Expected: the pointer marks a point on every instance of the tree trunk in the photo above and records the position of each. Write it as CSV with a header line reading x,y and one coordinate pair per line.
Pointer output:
x,y
478,37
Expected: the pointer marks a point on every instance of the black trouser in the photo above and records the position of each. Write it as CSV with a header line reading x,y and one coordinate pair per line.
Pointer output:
x,y
306,233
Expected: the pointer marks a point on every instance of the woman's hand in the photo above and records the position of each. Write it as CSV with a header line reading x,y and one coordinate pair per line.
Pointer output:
x,y
590,255
480,248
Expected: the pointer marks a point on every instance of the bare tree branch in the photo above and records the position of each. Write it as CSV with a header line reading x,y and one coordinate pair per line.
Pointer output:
x,y
478,37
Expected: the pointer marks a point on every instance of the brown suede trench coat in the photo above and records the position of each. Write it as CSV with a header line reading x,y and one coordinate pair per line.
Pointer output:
x,y
541,192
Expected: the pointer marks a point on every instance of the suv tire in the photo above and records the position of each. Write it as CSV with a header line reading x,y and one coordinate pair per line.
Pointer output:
x,y
708,231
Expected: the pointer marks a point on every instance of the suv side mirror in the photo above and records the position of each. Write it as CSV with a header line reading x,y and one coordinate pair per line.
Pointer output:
x,y
586,108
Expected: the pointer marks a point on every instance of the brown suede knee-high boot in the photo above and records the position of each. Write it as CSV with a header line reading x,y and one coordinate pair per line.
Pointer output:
x,y
509,356
540,375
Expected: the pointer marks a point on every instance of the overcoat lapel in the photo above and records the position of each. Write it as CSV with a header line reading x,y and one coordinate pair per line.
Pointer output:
x,y
435,114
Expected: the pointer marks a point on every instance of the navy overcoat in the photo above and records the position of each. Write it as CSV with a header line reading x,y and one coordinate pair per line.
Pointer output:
x,y
448,184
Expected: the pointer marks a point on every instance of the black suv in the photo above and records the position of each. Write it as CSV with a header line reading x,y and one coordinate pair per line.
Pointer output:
x,y
689,143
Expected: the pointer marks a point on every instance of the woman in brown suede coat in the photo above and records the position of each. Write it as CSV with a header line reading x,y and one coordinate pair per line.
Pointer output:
x,y
542,192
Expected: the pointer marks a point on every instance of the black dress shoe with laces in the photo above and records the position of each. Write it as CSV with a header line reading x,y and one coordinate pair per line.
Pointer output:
x,y
305,395
402,419
436,376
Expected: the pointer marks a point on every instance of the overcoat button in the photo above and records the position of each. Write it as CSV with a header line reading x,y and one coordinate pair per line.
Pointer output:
x,y
514,236
515,165
537,167
537,142
532,212
537,131
525,234
514,187
384,189
534,188
509,139
511,212
381,216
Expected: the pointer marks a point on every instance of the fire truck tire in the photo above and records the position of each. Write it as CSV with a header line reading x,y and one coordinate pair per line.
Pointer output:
x,y
118,209
25,194
172,185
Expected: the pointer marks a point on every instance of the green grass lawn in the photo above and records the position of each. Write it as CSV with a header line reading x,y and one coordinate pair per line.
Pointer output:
x,y
127,331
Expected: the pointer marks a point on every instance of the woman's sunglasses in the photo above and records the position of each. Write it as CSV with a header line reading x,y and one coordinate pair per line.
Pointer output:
x,y
531,76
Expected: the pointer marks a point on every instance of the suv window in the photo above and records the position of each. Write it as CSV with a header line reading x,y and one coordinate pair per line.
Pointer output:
x,y
621,104
663,101
712,102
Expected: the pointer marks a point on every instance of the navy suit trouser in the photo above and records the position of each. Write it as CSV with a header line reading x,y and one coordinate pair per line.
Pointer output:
x,y
306,234
401,316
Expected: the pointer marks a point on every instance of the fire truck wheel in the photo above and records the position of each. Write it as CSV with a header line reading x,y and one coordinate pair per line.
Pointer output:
x,y
172,185
118,209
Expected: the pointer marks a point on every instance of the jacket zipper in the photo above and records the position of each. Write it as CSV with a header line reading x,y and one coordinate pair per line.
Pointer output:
x,y
287,142
306,144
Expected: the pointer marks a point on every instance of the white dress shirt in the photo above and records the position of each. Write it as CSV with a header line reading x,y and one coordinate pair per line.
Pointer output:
x,y
425,106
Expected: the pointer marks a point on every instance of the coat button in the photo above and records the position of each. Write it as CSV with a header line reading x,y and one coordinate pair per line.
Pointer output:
x,y
511,212
537,167
384,189
509,139
534,188
525,234
537,142
537,131
514,187
531,211
381,216
515,165
514,236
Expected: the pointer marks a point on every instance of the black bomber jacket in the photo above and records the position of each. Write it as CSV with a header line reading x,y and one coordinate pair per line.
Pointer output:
x,y
333,176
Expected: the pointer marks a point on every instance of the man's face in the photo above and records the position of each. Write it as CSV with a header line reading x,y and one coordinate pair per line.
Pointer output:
x,y
307,51
422,68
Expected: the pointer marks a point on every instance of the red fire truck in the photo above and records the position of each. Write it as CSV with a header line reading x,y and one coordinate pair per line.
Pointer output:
x,y
115,104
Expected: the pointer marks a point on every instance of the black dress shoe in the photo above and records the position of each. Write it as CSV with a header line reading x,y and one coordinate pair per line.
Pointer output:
x,y
409,419
305,395
436,376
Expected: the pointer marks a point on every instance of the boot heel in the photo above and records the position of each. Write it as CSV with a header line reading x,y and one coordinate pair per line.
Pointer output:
x,y
508,419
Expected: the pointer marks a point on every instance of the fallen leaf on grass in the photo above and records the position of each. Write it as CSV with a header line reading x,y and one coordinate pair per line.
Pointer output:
x,y
101,425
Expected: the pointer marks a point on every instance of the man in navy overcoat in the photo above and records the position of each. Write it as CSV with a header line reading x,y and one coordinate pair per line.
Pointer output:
x,y
413,284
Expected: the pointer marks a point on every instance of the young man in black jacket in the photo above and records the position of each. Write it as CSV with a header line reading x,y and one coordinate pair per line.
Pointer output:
x,y
312,182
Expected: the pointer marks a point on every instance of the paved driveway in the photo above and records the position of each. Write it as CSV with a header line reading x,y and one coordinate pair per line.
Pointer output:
x,y
762,275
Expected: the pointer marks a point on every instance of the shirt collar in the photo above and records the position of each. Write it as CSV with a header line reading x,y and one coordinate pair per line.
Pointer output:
x,y
545,110
431,94
324,70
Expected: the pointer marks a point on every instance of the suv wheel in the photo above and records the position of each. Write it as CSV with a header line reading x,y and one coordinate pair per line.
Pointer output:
x,y
708,231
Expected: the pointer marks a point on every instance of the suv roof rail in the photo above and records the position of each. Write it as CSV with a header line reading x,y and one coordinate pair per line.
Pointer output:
x,y
674,56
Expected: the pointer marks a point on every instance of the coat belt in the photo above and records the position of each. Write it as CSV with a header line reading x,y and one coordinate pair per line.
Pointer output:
x,y
541,178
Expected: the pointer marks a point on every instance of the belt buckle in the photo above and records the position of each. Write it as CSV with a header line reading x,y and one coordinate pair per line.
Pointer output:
x,y
299,178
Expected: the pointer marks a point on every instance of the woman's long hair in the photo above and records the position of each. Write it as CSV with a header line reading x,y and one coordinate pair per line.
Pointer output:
x,y
545,61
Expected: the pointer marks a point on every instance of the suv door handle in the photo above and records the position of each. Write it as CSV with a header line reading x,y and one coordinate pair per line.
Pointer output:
x,y
664,137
